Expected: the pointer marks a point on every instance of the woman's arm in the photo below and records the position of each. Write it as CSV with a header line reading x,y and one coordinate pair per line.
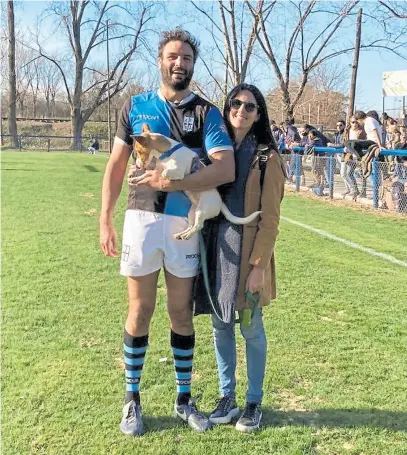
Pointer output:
x,y
271,197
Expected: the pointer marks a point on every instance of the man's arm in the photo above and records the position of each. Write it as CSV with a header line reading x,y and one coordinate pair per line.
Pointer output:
x,y
112,185
222,170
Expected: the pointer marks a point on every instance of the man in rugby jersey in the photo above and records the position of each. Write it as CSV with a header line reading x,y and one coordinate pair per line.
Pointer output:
x,y
157,208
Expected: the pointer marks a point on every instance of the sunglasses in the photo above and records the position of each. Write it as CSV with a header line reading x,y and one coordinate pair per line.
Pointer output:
x,y
248,105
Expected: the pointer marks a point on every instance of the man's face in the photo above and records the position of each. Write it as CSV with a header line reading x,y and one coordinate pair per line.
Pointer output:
x,y
340,127
303,131
177,65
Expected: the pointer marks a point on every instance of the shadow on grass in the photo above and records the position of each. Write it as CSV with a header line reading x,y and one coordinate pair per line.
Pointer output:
x,y
161,423
91,168
337,418
319,418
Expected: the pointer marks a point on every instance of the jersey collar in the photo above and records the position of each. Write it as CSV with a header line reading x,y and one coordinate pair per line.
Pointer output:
x,y
186,100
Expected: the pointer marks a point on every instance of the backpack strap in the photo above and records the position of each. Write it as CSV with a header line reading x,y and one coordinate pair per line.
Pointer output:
x,y
263,158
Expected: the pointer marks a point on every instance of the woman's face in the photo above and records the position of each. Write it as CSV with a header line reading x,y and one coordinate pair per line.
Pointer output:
x,y
239,116
354,124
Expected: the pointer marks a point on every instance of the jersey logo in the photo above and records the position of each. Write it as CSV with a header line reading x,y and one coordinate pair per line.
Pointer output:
x,y
147,117
188,125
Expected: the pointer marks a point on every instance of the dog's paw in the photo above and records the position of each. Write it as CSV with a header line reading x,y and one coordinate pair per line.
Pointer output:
x,y
172,174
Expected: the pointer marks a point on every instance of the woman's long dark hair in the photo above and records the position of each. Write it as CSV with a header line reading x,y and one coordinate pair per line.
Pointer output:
x,y
261,129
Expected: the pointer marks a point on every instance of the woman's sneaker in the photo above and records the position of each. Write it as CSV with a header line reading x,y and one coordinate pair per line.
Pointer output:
x,y
132,422
250,419
226,410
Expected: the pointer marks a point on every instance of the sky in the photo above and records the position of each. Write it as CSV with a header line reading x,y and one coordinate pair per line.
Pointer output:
x,y
372,64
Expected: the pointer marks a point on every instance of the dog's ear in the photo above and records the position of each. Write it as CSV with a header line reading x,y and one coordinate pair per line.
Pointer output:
x,y
142,140
145,128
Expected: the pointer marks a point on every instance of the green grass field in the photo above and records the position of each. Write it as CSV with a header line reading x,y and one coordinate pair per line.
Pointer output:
x,y
336,374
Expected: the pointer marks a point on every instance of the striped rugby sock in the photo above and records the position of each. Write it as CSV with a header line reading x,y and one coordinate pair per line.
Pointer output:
x,y
134,349
183,351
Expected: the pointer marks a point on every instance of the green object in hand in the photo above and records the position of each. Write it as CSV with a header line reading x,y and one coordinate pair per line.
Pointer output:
x,y
247,313
246,317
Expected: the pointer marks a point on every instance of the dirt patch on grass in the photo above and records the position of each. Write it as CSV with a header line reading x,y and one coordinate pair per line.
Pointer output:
x,y
291,402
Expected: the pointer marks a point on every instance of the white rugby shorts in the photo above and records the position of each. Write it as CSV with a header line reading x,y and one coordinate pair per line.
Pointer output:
x,y
149,245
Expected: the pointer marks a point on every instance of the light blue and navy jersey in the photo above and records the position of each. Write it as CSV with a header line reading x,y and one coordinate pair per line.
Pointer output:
x,y
194,121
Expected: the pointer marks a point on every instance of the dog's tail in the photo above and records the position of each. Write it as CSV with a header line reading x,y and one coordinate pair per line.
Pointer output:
x,y
235,219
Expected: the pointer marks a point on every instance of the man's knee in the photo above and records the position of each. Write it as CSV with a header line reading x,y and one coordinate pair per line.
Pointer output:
x,y
139,313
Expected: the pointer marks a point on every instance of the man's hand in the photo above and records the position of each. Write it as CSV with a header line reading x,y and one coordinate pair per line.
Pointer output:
x,y
153,179
255,280
330,144
108,239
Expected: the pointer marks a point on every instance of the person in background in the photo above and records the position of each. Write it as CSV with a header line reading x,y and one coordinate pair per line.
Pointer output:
x,y
277,132
318,162
399,186
353,132
93,149
393,135
241,258
339,143
374,134
373,130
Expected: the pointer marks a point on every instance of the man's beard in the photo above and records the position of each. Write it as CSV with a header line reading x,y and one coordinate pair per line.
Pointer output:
x,y
178,86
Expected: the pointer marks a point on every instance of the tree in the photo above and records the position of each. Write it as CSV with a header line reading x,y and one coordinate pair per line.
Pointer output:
x,y
85,24
313,30
50,79
233,45
12,122
396,9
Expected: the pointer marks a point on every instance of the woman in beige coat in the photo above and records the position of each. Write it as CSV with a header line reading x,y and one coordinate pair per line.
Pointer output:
x,y
241,258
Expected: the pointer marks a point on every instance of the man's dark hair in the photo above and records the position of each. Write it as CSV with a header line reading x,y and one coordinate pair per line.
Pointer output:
x,y
341,121
178,34
306,126
359,115
374,115
260,129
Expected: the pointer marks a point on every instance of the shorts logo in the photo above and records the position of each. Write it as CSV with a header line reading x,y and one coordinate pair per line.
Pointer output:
x,y
125,253
188,125
192,256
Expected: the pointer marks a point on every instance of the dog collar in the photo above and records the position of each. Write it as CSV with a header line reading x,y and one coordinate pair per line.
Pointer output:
x,y
169,152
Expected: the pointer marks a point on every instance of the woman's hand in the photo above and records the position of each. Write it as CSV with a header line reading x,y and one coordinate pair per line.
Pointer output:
x,y
255,280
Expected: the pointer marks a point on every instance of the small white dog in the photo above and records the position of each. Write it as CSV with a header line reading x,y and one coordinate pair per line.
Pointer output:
x,y
176,161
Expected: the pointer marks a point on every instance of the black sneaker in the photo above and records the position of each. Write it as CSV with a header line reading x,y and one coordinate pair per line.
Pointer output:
x,y
190,414
226,410
250,419
132,422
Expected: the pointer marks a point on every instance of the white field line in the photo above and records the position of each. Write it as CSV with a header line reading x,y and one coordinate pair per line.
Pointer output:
x,y
356,246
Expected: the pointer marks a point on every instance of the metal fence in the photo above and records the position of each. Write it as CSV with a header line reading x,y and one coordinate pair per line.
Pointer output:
x,y
51,143
327,174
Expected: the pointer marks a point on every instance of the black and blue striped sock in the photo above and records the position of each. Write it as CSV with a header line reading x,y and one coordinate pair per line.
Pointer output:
x,y
134,349
183,350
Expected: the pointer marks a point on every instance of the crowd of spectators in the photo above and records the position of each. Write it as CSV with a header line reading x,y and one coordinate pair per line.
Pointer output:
x,y
361,140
